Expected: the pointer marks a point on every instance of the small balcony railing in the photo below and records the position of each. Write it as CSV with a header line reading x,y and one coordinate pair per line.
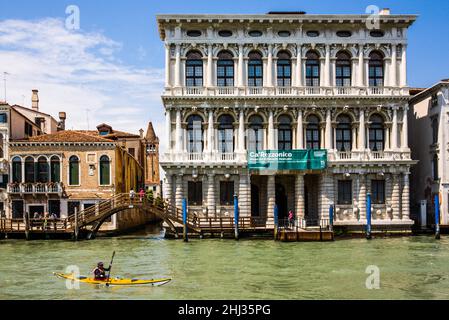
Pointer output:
x,y
194,91
35,188
225,91
284,91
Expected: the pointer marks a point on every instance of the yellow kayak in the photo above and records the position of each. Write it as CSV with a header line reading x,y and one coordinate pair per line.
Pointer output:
x,y
113,282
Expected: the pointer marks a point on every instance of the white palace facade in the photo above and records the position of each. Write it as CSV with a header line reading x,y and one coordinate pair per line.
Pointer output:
x,y
288,81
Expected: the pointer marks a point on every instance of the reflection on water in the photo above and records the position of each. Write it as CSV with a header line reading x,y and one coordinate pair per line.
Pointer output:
x,y
411,268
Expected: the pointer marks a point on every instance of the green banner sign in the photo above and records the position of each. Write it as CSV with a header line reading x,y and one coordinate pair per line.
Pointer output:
x,y
300,160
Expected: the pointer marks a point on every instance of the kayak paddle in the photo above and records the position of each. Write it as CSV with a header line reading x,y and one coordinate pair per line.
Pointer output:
x,y
110,267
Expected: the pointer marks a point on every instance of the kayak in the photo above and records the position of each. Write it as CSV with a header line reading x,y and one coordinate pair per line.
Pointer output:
x,y
113,282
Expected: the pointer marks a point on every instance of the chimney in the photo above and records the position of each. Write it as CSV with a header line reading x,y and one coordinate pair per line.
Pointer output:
x,y
385,12
141,133
62,118
35,100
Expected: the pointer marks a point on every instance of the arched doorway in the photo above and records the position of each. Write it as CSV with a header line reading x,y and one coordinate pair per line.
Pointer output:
x,y
281,201
255,204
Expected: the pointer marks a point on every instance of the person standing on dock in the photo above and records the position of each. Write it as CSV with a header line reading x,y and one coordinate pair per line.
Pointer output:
x,y
141,194
291,219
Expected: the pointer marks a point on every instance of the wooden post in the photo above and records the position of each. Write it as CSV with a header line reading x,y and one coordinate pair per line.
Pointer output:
x,y
276,221
184,219
236,217
368,217
76,224
437,217
26,218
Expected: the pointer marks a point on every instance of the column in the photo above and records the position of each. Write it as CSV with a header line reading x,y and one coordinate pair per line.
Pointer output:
x,y
179,135
406,197
168,129
178,66
327,65
244,195
299,82
394,63
168,196
361,69
300,132
270,66
394,130
209,66
396,198
241,81
210,133
403,82
167,66
179,196
362,131
241,147
299,198
387,138
271,198
362,196
405,145
211,205
271,131
328,133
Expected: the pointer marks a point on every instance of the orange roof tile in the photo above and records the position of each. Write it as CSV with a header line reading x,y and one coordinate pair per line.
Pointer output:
x,y
68,136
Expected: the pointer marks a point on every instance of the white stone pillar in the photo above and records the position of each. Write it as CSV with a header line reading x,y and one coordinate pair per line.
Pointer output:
x,y
211,203
300,132
406,197
328,133
168,129
396,198
299,197
394,64
394,130
361,69
299,81
271,198
403,82
270,66
405,145
362,131
241,81
210,69
168,196
244,195
271,143
241,132
167,66
327,66
179,135
179,196
178,66
210,133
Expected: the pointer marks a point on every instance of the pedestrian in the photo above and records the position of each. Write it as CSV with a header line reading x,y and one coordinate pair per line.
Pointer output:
x,y
45,220
141,194
291,218
132,194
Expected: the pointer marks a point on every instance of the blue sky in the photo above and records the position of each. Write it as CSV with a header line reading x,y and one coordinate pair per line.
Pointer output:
x,y
120,47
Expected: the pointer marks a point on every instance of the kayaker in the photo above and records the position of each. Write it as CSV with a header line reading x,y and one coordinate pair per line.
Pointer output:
x,y
100,272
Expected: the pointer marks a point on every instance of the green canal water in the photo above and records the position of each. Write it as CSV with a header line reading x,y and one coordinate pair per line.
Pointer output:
x,y
410,268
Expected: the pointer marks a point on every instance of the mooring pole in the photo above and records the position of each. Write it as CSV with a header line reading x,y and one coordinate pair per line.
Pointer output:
x,y
26,218
437,217
236,217
331,217
368,216
184,220
76,224
276,221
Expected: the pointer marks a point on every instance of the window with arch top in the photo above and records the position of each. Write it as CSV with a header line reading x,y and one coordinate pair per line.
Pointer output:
x,y
194,69
17,170
105,171
344,133
313,136
255,133
376,133
42,170
55,169
255,69
285,140
74,171
2,141
226,134
30,170
376,69
225,69
284,69
343,70
195,134
312,69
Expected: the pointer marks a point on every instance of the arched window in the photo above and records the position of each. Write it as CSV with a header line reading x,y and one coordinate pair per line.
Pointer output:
x,y
312,69
225,69
226,134
284,69
255,133
255,69
2,153
435,167
344,134
16,170
74,171
194,69
285,133
343,70
105,171
313,133
376,133
55,169
30,176
195,134
42,170
376,69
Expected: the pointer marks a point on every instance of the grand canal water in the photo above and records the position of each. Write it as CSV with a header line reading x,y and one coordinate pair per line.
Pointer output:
x,y
410,268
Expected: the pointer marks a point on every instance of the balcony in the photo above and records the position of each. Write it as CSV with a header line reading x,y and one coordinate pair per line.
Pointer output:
x,y
203,157
35,188
286,91
368,155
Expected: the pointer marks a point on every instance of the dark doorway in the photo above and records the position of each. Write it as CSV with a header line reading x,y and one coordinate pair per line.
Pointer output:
x,y
36,210
281,201
17,209
255,203
311,183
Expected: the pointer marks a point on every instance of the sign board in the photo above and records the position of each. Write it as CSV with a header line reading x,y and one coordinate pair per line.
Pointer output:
x,y
300,160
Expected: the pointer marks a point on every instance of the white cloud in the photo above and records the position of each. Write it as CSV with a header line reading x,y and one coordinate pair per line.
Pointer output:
x,y
75,71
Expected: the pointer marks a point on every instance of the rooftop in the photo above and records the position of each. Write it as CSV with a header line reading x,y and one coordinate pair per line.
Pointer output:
x,y
67,136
